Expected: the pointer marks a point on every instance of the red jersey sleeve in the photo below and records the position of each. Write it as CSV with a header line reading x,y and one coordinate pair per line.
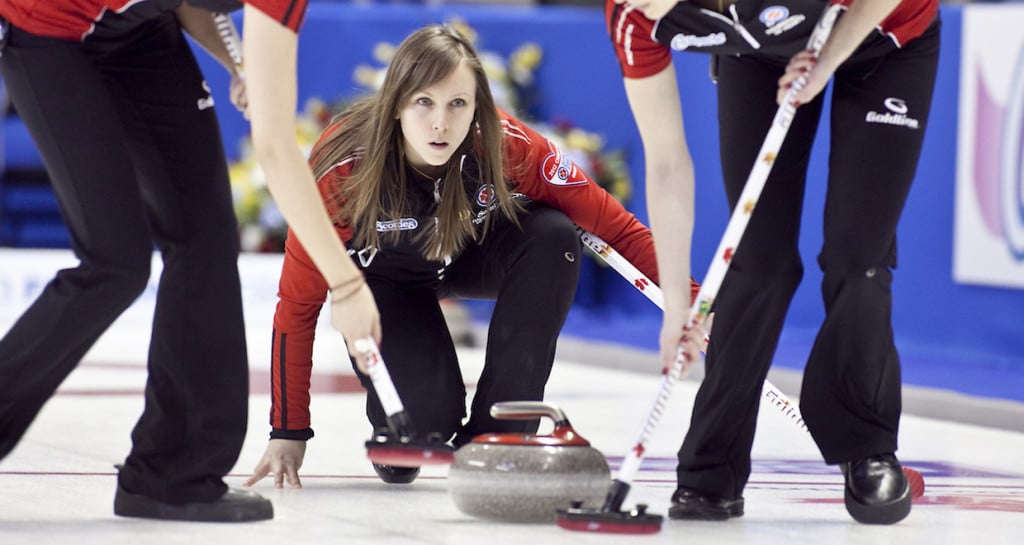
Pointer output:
x,y
290,13
633,40
301,293
907,21
542,172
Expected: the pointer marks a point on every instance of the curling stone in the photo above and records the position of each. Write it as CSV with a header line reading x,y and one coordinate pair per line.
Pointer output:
x,y
515,477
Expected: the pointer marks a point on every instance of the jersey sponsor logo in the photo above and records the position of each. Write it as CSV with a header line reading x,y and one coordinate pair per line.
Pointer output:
x,y
558,169
485,195
788,23
401,224
897,114
493,205
682,42
896,105
772,15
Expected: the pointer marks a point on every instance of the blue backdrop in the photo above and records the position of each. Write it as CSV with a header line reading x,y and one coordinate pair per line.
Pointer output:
x,y
967,338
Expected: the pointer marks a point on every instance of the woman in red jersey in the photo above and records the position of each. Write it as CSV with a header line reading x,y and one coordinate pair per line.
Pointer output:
x,y
882,58
438,193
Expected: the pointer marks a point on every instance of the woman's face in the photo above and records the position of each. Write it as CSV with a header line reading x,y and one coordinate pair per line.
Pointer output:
x,y
437,119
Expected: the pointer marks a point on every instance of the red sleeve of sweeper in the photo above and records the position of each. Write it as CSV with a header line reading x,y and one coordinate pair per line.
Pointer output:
x,y
301,293
638,54
290,13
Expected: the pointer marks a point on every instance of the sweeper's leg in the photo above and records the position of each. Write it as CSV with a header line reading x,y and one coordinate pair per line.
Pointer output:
x,y
532,274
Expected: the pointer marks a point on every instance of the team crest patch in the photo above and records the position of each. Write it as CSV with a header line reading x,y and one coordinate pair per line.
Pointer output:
x,y
485,195
558,169
771,15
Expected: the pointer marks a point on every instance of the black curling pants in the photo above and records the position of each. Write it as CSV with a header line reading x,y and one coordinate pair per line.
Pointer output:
x,y
850,398
131,143
531,274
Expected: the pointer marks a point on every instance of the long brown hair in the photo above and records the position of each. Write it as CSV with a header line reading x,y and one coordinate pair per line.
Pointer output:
x,y
370,130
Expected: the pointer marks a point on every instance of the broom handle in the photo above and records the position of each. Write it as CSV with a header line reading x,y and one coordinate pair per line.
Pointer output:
x,y
643,283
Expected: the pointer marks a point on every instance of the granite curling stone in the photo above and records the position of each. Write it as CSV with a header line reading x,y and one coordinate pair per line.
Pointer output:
x,y
515,477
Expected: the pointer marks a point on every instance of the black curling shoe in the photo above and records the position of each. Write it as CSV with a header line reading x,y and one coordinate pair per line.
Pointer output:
x,y
877,491
689,504
396,475
233,506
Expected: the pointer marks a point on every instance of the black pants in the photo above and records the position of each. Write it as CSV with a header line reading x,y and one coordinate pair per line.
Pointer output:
x,y
531,274
134,153
850,396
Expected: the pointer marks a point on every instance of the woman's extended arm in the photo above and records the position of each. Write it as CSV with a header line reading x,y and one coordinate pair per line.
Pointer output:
x,y
669,181
271,53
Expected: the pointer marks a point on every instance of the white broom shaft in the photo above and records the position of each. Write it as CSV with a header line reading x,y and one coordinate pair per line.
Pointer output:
x,y
651,290
756,180
229,35
378,372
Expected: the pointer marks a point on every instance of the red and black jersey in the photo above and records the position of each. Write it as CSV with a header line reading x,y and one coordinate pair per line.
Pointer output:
x,y
83,19
538,170
774,27
290,13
